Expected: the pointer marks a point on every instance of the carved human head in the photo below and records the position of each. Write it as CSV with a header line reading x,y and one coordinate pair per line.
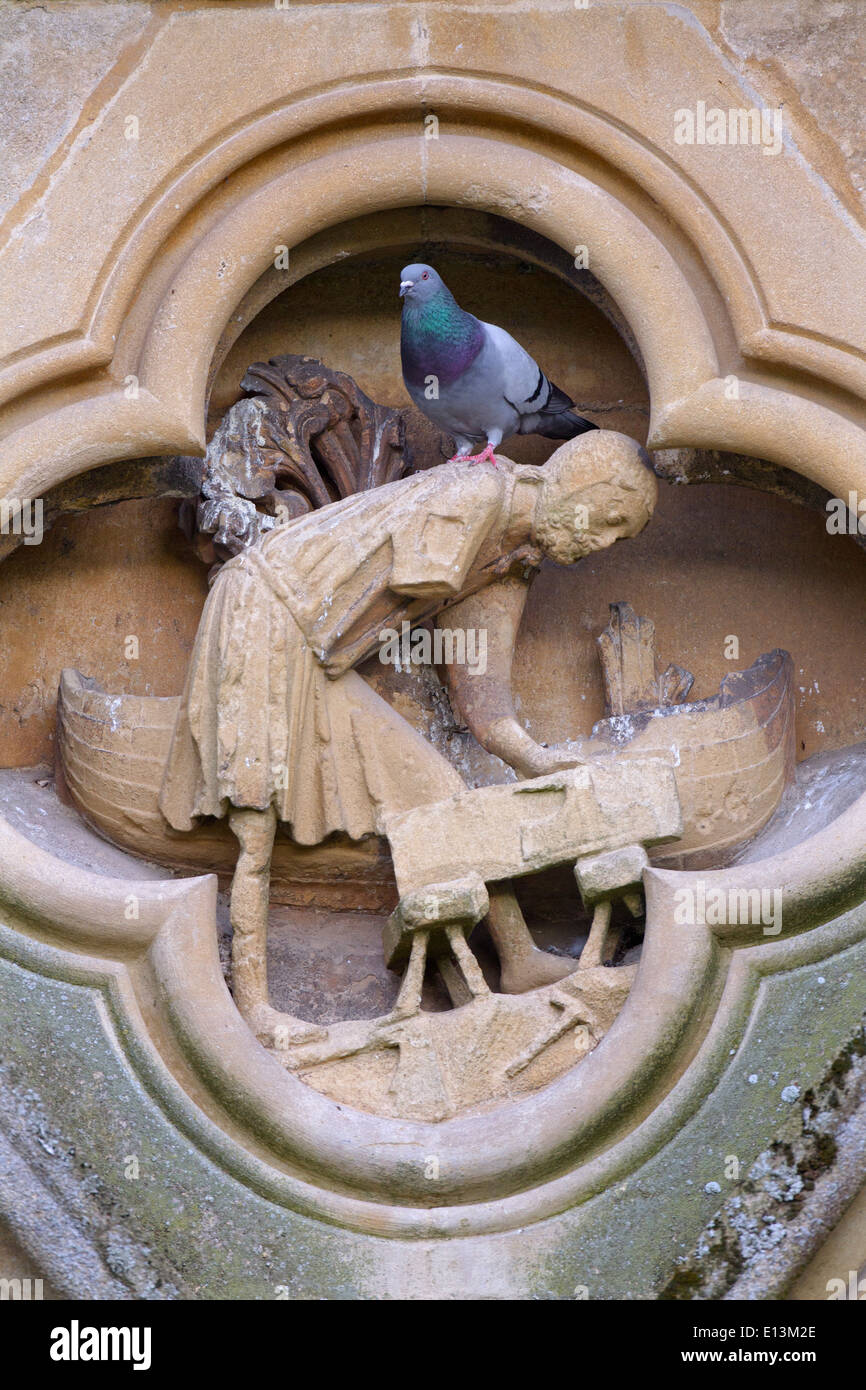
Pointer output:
x,y
595,490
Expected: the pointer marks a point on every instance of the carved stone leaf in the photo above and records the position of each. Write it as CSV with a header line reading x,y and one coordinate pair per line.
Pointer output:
x,y
303,436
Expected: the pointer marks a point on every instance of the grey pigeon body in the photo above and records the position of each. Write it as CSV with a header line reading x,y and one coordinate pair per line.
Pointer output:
x,y
472,379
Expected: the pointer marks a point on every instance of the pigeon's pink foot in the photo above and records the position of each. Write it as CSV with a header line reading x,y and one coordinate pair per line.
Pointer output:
x,y
487,456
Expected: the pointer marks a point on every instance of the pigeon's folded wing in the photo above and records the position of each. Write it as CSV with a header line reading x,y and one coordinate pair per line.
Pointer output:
x,y
524,384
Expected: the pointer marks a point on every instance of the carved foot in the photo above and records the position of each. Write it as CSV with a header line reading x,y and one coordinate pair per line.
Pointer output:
x,y
399,1014
274,1029
534,970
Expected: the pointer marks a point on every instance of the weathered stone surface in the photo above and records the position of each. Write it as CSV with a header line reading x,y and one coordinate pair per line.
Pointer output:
x,y
616,871
246,1242
809,54
777,1216
670,287
115,482
504,832
58,64
633,676
287,733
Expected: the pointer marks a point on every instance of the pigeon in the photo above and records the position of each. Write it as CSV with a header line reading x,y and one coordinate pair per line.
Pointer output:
x,y
472,379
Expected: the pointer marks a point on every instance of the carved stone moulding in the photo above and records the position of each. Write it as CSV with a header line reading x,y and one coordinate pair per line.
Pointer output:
x,y
184,1040
698,297
679,315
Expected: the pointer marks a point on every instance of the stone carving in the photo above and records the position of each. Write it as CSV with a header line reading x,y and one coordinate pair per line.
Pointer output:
x,y
302,436
275,725
561,126
733,753
446,854
276,730
114,748
632,679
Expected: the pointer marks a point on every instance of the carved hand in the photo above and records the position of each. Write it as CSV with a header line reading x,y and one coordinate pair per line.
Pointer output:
x,y
515,746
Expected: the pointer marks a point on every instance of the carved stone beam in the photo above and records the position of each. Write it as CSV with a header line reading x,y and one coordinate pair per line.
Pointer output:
x,y
509,830
444,854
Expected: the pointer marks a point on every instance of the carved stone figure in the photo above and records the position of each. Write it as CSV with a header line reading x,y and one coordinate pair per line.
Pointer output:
x,y
696,1083
289,767
276,726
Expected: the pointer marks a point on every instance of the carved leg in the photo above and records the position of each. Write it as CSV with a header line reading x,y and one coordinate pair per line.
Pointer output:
x,y
455,981
524,966
409,999
254,832
592,954
472,974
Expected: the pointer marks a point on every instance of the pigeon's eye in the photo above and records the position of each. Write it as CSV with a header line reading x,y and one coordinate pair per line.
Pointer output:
x,y
425,276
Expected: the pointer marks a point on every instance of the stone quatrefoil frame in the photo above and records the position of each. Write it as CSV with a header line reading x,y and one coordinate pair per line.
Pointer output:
x,y
179,258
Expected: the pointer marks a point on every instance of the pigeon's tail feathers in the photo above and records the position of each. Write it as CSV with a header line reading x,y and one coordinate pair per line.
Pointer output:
x,y
557,419
565,425
557,400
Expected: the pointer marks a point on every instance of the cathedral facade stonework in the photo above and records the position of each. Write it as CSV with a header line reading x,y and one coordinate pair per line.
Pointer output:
x,y
427,874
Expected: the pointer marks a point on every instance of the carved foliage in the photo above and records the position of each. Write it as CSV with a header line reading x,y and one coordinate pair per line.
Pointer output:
x,y
302,436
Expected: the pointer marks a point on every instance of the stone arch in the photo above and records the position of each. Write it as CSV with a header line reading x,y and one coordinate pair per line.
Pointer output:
x,y
696,313
166,297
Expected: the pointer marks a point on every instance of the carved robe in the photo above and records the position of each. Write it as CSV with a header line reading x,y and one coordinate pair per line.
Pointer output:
x,y
273,713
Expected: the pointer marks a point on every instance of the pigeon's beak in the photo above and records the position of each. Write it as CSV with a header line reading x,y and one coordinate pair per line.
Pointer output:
x,y
405,287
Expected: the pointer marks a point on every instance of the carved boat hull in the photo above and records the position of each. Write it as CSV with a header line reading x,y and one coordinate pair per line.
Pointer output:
x,y
733,756
112,753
